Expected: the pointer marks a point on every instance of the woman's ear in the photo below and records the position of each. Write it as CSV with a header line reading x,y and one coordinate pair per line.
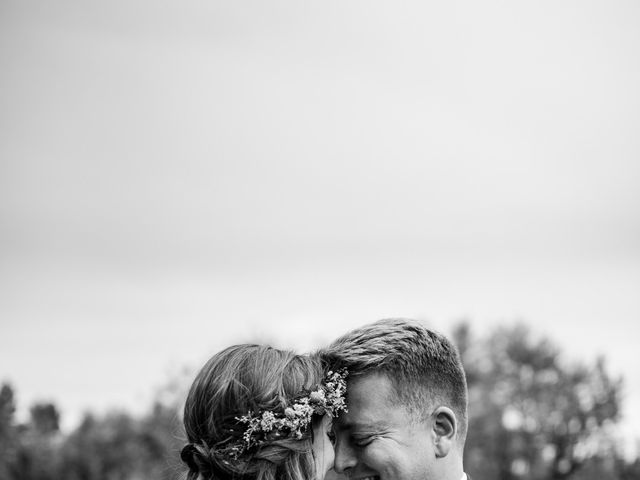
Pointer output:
x,y
445,428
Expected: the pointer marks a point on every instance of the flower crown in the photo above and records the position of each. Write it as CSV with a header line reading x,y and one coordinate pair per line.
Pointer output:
x,y
327,399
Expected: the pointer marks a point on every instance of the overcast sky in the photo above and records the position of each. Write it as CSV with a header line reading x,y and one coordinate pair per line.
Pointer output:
x,y
177,176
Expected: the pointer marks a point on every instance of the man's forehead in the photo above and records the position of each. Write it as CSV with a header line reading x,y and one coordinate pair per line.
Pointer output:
x,y
370,403
370,389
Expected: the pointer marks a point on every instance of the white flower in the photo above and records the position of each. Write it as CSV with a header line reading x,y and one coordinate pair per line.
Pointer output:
x,y
317,396
268,418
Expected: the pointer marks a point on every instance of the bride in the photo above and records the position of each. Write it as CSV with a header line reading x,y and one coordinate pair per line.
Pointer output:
x,y
258,413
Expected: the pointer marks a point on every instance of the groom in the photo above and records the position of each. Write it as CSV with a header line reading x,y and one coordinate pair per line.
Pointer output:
x,y
407,403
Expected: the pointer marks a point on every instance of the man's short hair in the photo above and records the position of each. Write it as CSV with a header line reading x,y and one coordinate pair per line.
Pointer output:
x,y
423,366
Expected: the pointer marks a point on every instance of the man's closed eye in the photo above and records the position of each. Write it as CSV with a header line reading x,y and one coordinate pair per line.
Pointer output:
x,y
363,441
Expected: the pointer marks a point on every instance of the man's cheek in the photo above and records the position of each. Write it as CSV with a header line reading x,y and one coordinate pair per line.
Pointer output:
x,y
379,458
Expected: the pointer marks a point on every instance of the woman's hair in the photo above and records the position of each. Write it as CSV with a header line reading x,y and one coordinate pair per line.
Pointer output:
x,y
235,382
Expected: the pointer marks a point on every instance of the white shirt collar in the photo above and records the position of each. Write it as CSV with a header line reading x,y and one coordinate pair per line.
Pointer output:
x,y
464,476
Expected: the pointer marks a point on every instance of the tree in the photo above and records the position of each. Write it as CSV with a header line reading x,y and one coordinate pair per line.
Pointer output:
x,y
8,435
532,415
37,444
119,446
45,418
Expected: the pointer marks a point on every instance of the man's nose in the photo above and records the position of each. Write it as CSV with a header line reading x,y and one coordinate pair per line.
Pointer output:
x,y
345,458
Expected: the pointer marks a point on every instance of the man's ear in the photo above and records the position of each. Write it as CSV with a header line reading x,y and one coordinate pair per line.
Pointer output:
x,y
445,428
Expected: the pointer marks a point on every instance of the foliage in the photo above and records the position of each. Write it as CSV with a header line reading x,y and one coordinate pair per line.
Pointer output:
x,y
116,446
120,447
8,435
533,415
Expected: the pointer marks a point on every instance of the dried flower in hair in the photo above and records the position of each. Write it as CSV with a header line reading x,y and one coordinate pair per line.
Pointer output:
x,y
327,399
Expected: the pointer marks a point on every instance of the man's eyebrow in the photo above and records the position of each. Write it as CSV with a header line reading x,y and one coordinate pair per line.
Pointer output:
x,y
359,426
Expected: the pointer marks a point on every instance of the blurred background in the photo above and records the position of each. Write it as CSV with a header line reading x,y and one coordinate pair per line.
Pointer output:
x,y
180,176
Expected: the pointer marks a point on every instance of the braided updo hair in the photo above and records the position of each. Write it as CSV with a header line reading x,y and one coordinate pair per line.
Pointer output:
x,y
237,380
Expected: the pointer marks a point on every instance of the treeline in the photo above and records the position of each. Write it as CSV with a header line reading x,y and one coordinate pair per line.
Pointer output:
x,y
116,446
533,416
